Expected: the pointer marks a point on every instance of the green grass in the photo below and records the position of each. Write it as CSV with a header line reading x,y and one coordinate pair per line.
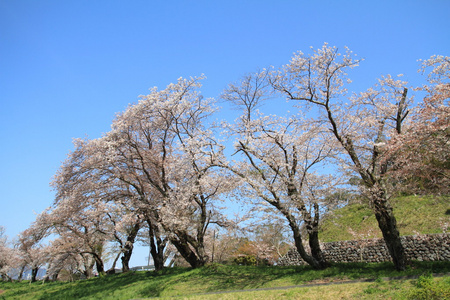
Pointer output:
x,y
391,289
184,282
414,214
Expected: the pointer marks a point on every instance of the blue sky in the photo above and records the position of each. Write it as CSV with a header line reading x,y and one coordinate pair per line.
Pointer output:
x,y
67,67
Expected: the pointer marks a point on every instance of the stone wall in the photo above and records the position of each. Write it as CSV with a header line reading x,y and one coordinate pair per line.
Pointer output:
x,y
429,247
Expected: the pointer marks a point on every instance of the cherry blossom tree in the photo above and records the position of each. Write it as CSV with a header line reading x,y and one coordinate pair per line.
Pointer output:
x,y
421,156
66,257
158,243
126,229
281,156
9,258
274,237
61,255
33,253
223,243
164,151
83,225
266,241
360,125
3,249
157,162
136,197
81,233
87,173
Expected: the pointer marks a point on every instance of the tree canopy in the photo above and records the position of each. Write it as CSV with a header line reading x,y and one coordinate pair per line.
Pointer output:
x,y
165,170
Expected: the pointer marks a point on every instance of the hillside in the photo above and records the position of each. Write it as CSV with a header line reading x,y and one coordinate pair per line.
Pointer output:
x,y
272,283
415,214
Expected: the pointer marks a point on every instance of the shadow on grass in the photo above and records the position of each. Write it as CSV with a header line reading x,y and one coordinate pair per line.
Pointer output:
x,y
102,287
216,277
211,278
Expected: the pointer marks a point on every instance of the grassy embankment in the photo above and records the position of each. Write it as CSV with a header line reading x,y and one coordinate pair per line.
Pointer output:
x,y
188,283
414,215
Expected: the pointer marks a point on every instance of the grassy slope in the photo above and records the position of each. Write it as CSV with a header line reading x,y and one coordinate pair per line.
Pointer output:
x,y
213,278
414,215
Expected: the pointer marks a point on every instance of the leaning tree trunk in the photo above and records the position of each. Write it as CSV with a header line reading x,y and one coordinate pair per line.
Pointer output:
x,y
311,260
383,211
187,253
112,270
22,269
378,198
388,226
316,259
99,264
316,251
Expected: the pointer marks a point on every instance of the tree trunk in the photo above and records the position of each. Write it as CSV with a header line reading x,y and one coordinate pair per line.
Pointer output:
x,y
126,260
88,263
34,272
316,259
371,178
158,259
22,269
316,251
157,246
310,259
380,204
187,253
157,252
128,248
388,226
5,277
55,275
99,264
112,270
312,226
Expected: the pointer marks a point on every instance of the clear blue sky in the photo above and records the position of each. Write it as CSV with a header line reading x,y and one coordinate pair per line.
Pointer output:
x,y
66,67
